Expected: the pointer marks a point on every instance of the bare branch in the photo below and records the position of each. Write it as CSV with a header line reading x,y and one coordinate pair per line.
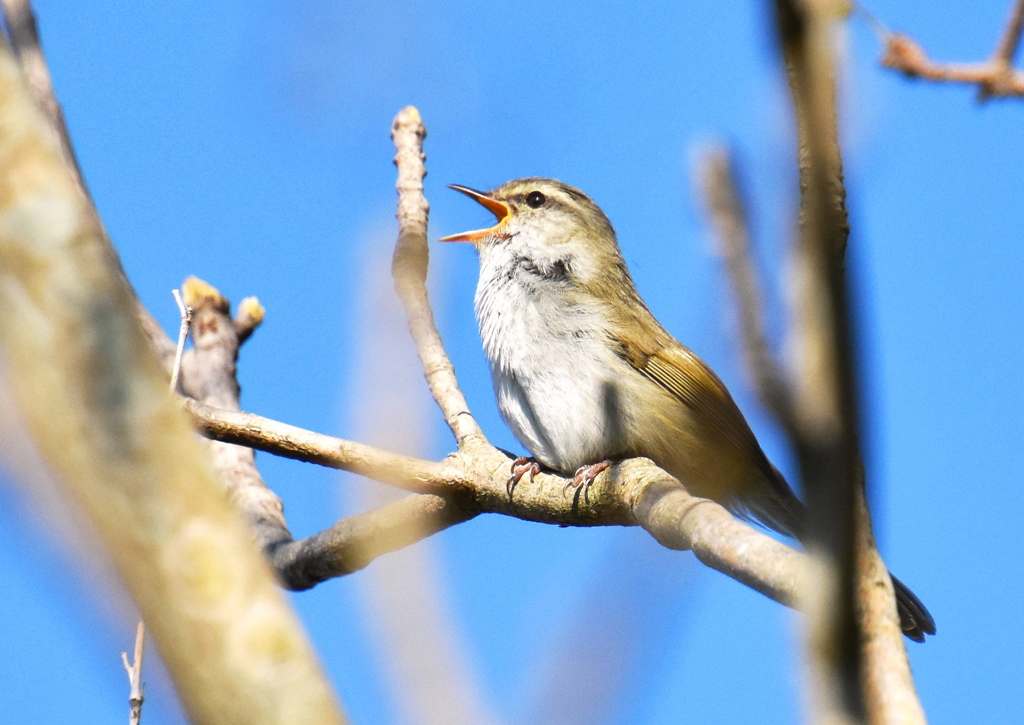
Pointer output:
x,y
355,541
281,439
849,638
995,78
1008,43
680,521
347,546
134,670
727,214
633,492
473,479
96,403
209,376
23,35
409,268
827,445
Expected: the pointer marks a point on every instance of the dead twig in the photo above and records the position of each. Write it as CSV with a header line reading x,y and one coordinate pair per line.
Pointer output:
x,y
134,670
186,321
995,78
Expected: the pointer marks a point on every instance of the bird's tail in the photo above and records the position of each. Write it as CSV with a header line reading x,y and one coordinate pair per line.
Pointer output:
x,y
778,508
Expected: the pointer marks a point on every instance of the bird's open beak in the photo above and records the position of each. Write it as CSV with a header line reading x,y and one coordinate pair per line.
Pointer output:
x,y
499,208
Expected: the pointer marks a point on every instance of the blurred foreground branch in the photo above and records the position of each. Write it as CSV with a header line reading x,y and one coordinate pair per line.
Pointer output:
x,y
858,665
95,401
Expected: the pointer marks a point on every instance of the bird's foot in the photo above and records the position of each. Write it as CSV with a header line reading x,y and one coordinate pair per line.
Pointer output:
x,y
585,476
521,467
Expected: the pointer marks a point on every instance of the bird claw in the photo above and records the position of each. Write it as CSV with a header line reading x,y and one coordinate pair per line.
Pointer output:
x,y
520,467
585,476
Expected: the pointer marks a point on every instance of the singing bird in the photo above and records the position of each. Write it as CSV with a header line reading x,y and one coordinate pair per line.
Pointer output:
x,y
584,374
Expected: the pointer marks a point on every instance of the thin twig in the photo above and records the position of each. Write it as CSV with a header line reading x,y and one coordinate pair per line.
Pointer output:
x,y
409,268
995,78
134,670
1010,40
186,320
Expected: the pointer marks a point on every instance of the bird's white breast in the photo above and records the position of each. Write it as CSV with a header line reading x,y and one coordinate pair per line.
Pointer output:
x,y
555,375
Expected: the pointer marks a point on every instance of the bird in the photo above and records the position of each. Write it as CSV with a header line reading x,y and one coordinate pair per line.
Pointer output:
x,y
584,374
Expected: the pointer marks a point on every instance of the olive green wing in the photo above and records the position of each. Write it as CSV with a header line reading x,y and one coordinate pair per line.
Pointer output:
x,y
677,370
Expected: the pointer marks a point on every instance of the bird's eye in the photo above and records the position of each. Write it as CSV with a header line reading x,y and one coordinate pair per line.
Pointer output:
x,y
535,199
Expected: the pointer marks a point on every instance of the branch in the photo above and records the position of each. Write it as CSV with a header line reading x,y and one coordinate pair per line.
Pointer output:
x,y
349,545
208,374
134,670
995,78
96,404
633,492
355,541
464,484
727,213
23,36
858,658
288,441
473,479
409,267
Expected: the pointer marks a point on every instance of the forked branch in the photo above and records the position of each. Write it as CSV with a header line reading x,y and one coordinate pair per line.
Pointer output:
x,y
995,77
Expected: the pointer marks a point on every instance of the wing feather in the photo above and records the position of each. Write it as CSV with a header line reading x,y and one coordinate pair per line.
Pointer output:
x,y
659,357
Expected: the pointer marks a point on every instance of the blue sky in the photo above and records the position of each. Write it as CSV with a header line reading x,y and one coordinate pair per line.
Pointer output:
x,y
249,145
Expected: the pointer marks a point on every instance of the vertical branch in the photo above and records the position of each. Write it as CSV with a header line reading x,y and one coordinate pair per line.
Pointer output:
x,y
134,670
409,268
210,377
1008,43
823,394
858,661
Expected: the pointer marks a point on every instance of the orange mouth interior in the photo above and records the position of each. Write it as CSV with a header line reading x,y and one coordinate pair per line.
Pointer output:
x,y
500,209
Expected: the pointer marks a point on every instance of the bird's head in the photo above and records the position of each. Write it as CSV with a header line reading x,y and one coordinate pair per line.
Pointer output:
x,y
547,224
